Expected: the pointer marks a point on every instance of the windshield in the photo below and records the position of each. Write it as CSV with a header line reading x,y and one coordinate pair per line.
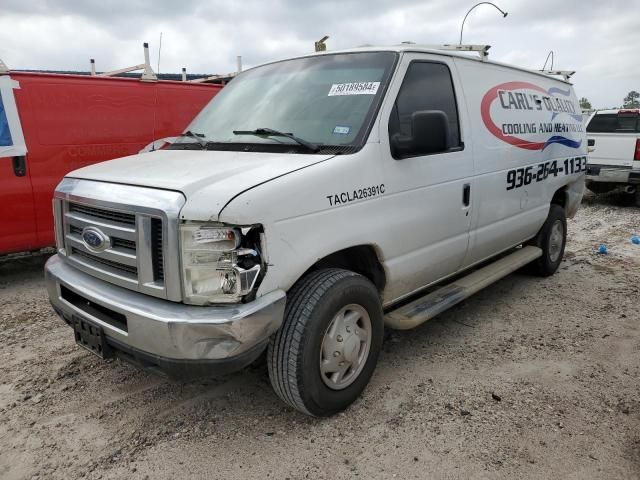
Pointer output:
x,y
327,100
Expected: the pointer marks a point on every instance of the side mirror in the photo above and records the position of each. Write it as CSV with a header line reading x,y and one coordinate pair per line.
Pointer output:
x,y
429,134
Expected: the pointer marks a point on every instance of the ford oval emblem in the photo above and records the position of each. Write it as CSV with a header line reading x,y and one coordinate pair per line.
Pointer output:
x,y
95,240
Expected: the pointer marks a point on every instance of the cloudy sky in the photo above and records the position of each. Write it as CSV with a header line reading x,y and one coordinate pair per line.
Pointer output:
x,y
599,39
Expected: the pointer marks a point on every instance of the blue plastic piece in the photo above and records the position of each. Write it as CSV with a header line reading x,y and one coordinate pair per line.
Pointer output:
x,y
5,134
602,249
635,239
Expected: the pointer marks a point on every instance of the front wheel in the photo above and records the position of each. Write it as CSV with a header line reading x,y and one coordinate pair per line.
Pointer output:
x,y
325,352
552,239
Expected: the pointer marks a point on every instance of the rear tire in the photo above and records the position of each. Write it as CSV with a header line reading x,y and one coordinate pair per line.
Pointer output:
x,y
637,197
324,354
552,239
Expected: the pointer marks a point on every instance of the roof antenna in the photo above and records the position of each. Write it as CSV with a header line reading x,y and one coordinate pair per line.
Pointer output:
x,y
320,45
504,14
550,54
159,50
566,74
155,107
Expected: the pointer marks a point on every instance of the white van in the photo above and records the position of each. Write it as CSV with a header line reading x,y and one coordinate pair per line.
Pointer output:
x,y
312,202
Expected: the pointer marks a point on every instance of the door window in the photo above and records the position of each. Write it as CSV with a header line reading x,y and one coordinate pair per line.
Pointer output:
x,y
5,133
11,138
426,86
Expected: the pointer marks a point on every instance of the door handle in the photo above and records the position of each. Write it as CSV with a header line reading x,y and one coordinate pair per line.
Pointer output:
x,y
466,194
19,165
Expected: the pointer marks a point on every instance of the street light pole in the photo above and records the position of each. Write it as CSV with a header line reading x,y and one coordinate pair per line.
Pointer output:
x,y
504,14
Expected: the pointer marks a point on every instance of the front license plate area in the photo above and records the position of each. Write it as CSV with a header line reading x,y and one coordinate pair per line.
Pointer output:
x,y
91,337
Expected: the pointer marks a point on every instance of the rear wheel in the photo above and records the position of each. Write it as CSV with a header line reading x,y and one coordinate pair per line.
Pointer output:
x,y
325,352
551,238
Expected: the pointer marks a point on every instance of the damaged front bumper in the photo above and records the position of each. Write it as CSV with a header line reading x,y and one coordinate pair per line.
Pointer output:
x,y
181,341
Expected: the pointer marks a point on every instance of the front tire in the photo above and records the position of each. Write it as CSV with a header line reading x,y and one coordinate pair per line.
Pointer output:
x,y
324,354
552,239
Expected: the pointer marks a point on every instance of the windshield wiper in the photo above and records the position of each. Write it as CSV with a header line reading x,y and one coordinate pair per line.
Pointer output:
x,y
199,137
269,132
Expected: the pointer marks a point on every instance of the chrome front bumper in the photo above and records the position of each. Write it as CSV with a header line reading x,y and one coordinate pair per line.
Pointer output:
x,y
162,332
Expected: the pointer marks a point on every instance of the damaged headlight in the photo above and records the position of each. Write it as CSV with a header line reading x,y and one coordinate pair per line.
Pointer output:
x,y
220,264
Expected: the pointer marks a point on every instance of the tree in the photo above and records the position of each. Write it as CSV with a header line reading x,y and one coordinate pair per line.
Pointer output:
x,y
585,104
631,100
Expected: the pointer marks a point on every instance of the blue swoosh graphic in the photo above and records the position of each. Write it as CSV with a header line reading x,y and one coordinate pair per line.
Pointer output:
x,y
562,141
554,90
566,93
576,117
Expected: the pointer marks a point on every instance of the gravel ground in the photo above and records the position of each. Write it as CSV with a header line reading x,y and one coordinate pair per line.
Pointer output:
x,y
535,378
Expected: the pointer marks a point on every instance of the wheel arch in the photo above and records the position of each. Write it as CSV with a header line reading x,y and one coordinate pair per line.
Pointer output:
x,y
560,197
362,259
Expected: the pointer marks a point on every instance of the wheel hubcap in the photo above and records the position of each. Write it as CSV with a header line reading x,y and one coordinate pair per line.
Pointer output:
x,y
556,240
345,347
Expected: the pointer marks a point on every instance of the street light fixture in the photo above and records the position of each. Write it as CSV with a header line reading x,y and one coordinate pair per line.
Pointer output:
x,y
504,14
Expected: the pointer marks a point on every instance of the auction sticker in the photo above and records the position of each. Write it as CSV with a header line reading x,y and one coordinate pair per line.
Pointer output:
x,y
354,88
341,130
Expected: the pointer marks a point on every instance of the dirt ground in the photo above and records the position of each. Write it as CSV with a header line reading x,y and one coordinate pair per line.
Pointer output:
x,y
531,378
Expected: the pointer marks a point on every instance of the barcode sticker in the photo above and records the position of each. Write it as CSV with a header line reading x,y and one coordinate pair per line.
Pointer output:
x,y
354,88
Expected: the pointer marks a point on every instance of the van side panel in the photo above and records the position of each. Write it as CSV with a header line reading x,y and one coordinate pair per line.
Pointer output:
x,y
71,121
529,141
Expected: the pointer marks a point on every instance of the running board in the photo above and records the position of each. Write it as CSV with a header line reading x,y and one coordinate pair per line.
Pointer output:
x,y
427,307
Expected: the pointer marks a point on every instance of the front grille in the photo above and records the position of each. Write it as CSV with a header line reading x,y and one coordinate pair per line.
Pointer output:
x,y
115,241
131,252
120,217
132,245
103,261
122,243
156,249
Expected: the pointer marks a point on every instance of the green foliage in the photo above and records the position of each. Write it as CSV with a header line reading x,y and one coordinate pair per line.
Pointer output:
x,y
585,104
632,100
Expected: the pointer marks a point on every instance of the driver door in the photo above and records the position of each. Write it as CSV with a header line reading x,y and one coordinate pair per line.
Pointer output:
x,y
429,196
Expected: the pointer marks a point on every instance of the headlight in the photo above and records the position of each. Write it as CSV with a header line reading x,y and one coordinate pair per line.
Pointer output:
x,y
215,266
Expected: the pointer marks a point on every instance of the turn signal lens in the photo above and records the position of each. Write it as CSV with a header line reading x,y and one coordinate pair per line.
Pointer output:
x,y
226,239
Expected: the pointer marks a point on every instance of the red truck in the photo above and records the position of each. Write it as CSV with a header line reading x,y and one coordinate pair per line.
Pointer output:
x,y
51,124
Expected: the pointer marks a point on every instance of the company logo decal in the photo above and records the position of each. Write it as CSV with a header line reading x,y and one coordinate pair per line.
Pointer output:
x,y
95,240
527,116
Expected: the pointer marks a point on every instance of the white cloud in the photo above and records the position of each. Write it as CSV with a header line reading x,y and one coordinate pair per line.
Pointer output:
x,y
599,40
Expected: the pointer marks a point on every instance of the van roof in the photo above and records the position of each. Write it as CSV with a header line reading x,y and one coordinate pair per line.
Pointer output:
x,y
435,50
67,76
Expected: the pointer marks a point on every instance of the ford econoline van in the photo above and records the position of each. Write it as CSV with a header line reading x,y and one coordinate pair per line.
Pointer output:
x,y
313,202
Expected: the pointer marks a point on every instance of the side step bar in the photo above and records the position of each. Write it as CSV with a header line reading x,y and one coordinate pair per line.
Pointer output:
x,y
425,308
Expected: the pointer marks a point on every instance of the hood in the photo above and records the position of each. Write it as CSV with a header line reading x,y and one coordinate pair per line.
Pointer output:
x,y
224,174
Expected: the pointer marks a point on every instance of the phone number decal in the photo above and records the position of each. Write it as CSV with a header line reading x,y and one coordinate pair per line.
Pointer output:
x,y
519,177
357,194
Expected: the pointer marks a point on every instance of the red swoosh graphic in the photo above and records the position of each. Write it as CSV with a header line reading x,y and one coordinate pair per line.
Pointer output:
x,y
485,107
